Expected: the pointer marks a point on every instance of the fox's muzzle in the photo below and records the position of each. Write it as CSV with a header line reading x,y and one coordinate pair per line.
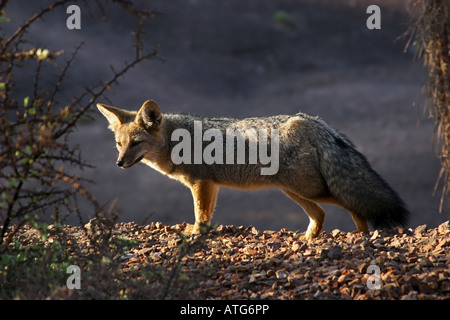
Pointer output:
x,y
120,163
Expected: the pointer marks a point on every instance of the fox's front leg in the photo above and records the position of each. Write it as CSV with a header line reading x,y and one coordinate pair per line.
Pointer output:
x,y
204,194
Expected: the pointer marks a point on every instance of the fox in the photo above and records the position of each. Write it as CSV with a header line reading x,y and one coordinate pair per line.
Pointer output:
x,y
316,164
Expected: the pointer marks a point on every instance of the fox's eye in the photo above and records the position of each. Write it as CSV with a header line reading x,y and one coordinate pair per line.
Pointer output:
x,y
135,143
119,144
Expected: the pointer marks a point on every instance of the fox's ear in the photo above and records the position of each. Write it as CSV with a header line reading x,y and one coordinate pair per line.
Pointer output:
x,y
149,116
115,116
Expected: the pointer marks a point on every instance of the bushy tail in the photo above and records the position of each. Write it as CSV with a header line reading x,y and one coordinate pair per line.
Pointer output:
x,y
358,188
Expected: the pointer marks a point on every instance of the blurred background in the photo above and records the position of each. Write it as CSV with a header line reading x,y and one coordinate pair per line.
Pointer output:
x,y
250,58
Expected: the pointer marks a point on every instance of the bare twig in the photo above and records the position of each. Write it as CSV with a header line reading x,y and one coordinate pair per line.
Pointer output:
x,y
34,145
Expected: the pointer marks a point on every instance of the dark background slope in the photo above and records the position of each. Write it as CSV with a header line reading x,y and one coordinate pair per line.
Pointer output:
x,y
233,58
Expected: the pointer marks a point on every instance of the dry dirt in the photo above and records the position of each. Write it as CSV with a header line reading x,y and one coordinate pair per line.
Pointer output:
x,y
232,262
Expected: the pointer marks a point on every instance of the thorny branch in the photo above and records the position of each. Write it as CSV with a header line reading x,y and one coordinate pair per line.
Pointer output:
x,y
36,160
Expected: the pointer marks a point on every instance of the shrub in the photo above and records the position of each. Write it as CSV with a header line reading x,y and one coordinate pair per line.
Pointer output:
x,y
37,164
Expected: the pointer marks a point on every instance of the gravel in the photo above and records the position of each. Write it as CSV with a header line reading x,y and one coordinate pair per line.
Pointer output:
x,y
231,262
244,263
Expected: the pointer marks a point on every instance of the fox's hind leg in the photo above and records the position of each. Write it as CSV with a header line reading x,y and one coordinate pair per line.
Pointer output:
x,y
361,224
204,194
315,213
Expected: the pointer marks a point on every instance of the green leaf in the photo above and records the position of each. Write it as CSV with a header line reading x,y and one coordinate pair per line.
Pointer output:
x,y
3,17
28,149
12,183
25,101
5,196
283,18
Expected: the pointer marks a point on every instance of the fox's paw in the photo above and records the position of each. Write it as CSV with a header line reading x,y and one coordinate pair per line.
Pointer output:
x,y
195,229
201,228
307,236
304,238
360,231
188,230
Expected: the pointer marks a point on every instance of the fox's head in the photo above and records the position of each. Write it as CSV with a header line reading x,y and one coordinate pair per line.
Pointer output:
x,y
137,132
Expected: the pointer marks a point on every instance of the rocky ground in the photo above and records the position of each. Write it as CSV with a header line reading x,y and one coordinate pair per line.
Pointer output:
x,y
157,261
245,263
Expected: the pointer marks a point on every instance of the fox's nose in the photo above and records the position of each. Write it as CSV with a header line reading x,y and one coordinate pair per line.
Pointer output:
x,y
120,163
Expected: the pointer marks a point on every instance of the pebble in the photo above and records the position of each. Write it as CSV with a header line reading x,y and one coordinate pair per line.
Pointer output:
x,y
444,227
335,233
335,253
375,235
128,256
420,229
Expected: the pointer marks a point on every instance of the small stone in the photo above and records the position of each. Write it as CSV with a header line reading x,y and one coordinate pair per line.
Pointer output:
x,y
280,274
420,229
241,268
365,244
445,286
344,290
343,278
444,227
128,256
412,295
301,289
324,254
425,262
442,243
144,251
375,235
254,296
335,253
362,296
267,295
255,232
362,268
156,256
270,272
335,232
396,242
